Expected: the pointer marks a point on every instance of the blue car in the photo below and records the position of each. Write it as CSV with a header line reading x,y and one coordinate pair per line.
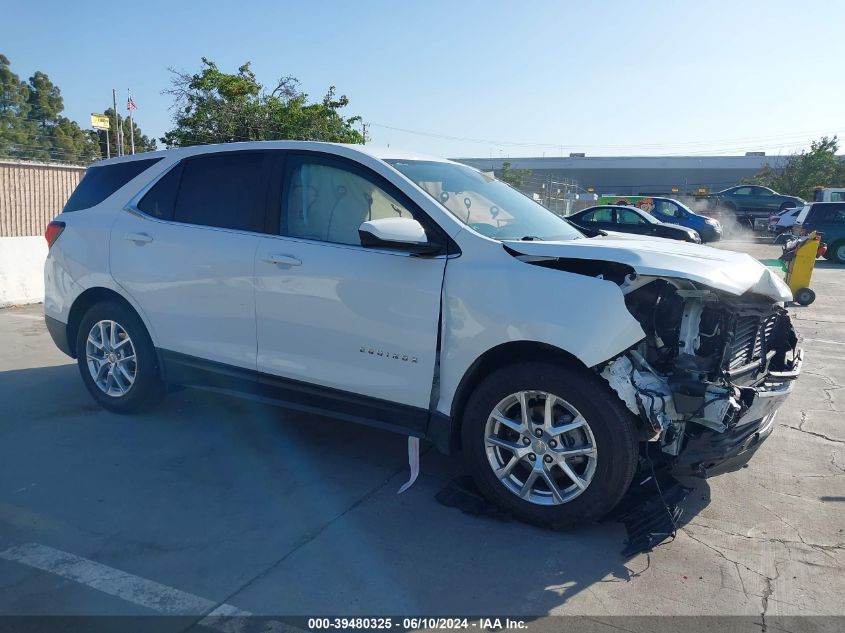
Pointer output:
x,y
673,212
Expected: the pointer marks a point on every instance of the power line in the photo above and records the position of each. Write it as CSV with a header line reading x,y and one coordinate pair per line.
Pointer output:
x,y
749,140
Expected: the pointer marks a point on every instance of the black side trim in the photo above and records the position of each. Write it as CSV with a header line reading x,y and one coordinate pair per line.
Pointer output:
x,y
309,398
58,332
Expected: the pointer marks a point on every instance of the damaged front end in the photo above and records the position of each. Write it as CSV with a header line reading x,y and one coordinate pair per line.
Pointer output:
x,y
710,375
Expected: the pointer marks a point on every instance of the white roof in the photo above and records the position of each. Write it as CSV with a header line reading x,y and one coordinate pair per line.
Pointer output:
x,y
381,153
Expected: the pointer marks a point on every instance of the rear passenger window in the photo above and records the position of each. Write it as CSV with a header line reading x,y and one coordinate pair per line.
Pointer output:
x,y
101,182
159,201
226,190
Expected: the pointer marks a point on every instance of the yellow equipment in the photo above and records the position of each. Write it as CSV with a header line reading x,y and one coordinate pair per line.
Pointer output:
x,y
800,269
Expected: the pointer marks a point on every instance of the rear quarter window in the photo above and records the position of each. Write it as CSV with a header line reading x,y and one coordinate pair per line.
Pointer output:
x,y
101,182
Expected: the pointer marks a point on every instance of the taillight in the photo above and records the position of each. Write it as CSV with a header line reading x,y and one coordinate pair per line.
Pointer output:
x,y
54,229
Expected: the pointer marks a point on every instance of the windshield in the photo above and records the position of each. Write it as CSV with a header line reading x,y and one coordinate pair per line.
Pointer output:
x,y
487,205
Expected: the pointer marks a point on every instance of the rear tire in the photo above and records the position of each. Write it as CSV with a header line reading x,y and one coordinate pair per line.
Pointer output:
x,y
117,359
576,394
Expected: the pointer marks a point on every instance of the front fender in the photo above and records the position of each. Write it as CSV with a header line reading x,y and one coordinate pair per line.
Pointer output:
x,y
496,300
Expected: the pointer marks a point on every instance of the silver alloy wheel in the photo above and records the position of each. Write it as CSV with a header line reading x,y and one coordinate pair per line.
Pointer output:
x,y
110,357
840,252
540,447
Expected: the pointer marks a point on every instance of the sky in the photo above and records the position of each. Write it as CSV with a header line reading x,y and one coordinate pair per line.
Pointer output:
x,y
473,79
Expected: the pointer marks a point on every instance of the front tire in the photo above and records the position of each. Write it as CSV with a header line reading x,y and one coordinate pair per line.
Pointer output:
x,y
117,359
552,445
836,253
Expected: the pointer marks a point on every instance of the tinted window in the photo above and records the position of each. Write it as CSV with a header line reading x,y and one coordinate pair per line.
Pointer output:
x,y
742,191
329,203
158,201
603,215
226,190
668,208
101,182
837,196
830,215
626,216
762,191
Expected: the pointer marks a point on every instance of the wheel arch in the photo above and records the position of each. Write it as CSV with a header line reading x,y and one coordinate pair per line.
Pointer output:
x,y
500,356
84,301
832,248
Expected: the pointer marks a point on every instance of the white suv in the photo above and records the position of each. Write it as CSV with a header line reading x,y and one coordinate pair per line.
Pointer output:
x,y
419,295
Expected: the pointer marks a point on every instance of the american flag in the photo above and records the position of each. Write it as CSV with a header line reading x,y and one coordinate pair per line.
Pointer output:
x,y
130,105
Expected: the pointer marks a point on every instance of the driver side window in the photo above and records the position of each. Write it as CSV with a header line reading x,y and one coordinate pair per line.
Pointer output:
x,y
328,203
668,208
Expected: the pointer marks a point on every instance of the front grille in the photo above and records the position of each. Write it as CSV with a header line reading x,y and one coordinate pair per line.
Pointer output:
x,y
749,343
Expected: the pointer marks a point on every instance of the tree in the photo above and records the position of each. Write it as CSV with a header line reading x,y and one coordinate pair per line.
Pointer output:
x,y
215,107
45,100
14,111
802,173
143,143
514,177
31,124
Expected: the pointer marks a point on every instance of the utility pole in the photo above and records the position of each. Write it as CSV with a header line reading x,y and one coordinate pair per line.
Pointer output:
x,y
364,127
130,105
118,135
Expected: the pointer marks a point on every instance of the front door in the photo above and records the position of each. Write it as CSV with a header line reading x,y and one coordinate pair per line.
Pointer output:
x,y
332,313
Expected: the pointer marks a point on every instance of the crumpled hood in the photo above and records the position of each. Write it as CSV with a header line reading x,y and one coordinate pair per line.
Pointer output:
x,y
732,272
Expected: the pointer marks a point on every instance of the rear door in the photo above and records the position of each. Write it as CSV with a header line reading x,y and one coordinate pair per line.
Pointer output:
x,y
829,220
185,252
361,323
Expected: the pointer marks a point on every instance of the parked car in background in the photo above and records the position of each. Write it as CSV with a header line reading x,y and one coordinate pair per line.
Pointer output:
x,y
749,202
630,220
827,218
780,223
672,212
422,296
829,194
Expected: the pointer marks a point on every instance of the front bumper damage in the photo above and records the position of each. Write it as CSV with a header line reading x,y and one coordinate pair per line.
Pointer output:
x,y
707,382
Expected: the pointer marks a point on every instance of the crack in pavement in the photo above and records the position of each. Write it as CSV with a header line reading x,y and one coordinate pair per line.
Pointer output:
x,y
804,418
721,554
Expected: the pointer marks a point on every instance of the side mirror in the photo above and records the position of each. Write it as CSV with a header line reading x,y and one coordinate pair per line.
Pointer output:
x,y
405,234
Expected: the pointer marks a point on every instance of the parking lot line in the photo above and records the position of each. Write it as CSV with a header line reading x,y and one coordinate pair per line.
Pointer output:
x,y
141,591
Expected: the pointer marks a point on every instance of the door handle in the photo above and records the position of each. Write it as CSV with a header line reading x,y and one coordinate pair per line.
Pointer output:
x,y
284,260
139,238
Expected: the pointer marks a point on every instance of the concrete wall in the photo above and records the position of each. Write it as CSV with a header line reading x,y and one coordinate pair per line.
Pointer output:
x,y
22,270
31,194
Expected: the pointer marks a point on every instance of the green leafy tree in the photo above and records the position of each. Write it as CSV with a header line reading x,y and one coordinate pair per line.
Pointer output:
x,y
31,124
45,100
802,173
514,177
216,107
15,126
143,143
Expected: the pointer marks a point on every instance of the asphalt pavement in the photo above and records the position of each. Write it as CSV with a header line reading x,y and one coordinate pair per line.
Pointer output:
x,y
210,504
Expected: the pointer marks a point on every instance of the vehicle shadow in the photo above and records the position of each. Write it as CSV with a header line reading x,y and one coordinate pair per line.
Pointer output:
x,y
285,513
829,264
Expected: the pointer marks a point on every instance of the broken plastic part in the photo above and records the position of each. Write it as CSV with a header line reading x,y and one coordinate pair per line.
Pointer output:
x,y
413,462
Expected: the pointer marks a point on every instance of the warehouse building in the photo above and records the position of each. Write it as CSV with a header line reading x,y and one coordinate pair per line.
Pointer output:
x,y
632,175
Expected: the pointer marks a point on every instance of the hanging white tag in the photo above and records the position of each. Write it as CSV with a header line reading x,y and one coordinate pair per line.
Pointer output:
x,y
413,462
